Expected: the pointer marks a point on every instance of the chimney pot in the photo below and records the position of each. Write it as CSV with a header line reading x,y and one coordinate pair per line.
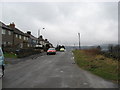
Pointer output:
x,y
12,25
29,32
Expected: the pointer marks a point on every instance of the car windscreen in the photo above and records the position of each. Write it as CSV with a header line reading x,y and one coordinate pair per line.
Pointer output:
x,y
51,49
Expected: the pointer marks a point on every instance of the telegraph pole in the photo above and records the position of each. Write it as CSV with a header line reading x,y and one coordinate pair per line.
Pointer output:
x,y
79,40
38,33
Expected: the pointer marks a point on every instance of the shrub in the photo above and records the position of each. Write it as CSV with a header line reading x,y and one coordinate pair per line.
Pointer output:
x,y
93,51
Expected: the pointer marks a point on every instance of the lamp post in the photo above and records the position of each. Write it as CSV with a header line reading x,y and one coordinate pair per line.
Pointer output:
x,y
39,32
39,35
79,40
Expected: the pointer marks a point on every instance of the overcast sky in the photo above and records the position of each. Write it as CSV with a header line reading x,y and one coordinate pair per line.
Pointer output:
x,y
96,22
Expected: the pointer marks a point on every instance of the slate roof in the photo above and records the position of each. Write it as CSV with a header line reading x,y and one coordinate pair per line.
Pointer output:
x,y
31,36
5,26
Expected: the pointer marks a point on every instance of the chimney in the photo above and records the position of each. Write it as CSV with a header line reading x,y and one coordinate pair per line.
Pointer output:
x,y
45,39
12,25
41,36
29,32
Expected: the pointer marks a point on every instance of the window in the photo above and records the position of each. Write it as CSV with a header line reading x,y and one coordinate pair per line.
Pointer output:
x,y
9,32
27,38
3,31
21,45
9,43
16,35
20,36
24,38
28,45
4,43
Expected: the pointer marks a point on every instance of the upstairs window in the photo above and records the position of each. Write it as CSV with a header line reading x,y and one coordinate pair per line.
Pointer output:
x,y
24,38
3,31
27,38
20,36
16,35
9,33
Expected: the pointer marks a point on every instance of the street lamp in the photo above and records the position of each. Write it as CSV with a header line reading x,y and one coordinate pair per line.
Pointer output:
x,y
41,35
39,32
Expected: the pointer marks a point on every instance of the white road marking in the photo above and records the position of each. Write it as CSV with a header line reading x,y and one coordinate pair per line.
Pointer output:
x,y
85,83
61,71
72,53
73,57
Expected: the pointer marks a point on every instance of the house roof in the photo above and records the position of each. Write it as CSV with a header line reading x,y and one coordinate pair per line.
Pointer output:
x,y
5,26
31,36
17,31
41,39
46,41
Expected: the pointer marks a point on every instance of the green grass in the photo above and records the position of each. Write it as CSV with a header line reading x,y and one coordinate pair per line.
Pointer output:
x,y
106,68
10,55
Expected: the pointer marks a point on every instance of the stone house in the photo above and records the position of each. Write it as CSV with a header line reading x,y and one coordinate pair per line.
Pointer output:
x,y
33,41
7,35
15,38
20,39
41,41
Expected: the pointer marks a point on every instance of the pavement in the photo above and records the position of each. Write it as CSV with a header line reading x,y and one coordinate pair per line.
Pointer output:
x,y
51,71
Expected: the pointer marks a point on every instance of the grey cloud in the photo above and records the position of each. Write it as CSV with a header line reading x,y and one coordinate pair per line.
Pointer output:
x,y
97,22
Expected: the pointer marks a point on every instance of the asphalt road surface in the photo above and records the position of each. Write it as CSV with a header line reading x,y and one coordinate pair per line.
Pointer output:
x,y
51,71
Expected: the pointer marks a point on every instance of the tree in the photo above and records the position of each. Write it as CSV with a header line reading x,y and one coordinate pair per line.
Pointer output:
x,y
110,48
99,48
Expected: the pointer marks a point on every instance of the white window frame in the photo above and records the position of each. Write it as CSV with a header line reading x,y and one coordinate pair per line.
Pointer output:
x,y
9,33
3,31
16,35
24,38
20,37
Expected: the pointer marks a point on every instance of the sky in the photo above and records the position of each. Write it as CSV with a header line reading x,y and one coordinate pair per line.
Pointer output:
x,y
97,22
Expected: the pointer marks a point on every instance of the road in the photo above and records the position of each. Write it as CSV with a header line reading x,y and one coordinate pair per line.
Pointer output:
x,y
51,71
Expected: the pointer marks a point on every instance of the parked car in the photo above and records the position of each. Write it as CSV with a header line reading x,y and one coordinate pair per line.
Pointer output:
x,y
62,49
51,51
2,64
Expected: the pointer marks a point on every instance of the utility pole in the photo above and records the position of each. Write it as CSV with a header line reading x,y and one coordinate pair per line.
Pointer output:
x,y
38,33
79,40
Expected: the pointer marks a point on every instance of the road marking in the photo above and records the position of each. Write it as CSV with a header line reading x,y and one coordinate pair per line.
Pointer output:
x,y
85,83
61,71
72,53
73,57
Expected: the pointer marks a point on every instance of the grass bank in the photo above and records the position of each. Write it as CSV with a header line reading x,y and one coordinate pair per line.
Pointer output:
x,y
10,55
98,64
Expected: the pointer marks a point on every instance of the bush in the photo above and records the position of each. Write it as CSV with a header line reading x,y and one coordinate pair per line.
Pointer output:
x,y
113,52
93,51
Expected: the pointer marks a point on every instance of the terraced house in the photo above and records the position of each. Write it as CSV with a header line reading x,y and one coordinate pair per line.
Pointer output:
x,y
14,38
20,39
7,35
32,41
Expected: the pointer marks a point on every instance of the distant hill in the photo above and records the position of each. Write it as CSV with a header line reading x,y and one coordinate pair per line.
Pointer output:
x,y
104,47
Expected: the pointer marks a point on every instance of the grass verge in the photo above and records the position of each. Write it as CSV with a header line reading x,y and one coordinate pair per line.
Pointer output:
x,y
97,64
10,55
